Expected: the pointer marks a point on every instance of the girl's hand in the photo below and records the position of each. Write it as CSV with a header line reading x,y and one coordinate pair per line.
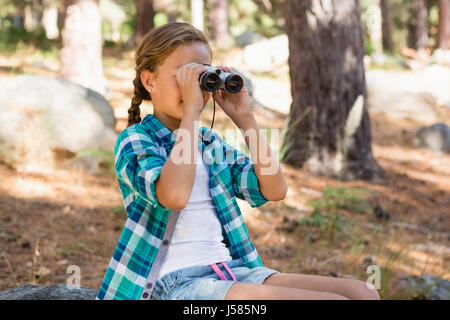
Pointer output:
x,y
235,105
187,78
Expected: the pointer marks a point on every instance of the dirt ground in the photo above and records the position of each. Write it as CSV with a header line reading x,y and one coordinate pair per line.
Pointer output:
x,y
54,219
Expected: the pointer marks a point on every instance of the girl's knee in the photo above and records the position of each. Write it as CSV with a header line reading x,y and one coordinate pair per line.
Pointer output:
x,y
363,292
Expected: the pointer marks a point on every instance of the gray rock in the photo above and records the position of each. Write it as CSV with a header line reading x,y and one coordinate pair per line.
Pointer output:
x,y
425,287
55,292
435,137
268,54
248,37
76,118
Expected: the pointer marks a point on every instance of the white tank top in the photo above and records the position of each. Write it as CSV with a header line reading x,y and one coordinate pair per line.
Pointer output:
x,y
197,239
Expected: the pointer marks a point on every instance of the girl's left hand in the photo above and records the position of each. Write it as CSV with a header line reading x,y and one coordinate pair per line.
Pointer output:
x,y
235,105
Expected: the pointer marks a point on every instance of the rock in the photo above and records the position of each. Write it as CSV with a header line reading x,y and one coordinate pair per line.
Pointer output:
x,y
368,261
435,137
387,95
75,118
441,56
55,292
424,287
380,213
248,37
265,55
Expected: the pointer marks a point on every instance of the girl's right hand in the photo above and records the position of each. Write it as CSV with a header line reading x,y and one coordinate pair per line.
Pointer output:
x,y
187,78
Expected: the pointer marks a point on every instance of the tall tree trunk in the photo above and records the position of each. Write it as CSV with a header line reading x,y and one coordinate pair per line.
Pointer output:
x,y
444,24
418,29
81,54
218,20
326,53
197,14
388,44
144,18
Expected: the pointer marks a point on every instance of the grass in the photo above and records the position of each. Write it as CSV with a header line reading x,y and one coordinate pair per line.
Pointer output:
x,y
326,214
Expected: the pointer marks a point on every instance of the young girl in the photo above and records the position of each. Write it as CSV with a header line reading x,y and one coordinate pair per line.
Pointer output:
x,y
185,237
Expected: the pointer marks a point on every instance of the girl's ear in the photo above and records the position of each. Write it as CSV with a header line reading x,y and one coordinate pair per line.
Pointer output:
x,y
147,78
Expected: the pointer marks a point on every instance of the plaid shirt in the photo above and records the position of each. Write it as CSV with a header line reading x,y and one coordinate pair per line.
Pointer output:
x,y
140,153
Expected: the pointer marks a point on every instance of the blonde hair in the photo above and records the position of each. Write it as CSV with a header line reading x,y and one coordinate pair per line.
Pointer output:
x,y
153,49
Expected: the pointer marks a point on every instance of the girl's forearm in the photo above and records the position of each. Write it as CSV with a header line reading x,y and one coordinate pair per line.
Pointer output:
x,y
272,183
174,186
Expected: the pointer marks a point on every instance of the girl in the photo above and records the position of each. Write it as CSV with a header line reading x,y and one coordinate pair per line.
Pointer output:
x,y
185,237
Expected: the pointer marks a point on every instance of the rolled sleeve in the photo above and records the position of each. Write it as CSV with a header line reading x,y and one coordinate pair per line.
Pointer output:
x,y
244,179
138,164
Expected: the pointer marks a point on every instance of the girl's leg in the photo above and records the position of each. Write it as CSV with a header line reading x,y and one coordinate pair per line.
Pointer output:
x,y
350,288
252,291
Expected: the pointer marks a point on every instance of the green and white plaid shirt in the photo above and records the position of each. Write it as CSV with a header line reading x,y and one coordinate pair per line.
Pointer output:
x,y
140,152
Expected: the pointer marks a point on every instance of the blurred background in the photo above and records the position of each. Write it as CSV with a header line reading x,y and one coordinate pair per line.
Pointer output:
x,y
359,92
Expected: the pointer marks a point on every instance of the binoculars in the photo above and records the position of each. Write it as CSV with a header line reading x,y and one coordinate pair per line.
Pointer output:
x,y
216,79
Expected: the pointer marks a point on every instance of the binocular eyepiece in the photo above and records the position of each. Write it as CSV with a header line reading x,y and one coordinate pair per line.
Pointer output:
x,y
215,79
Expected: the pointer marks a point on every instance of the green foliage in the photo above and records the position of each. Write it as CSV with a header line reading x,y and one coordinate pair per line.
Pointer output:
x,y
106,158
11,36
326,214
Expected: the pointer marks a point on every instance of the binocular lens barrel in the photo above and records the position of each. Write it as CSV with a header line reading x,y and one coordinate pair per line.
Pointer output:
x,y
209,81
217,79
233,83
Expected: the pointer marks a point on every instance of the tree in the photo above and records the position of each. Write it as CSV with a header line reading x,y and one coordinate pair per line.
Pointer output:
x,y
218,20
144,18
326,53
81,53
444,24
418,26
386,34
197,14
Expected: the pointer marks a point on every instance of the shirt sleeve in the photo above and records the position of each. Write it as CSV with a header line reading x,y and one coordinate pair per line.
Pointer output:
x,y
244,179
138,163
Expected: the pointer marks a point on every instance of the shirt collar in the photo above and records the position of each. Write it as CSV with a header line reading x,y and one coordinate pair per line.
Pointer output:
x,y
165,133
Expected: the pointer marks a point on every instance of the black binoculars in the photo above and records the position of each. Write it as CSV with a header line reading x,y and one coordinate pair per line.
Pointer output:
x,y
215,78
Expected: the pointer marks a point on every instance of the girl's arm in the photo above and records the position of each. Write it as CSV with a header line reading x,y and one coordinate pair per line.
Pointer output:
x,y
175,183
271,180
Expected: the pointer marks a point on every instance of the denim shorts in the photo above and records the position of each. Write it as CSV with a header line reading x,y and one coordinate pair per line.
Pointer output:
x,y
202,282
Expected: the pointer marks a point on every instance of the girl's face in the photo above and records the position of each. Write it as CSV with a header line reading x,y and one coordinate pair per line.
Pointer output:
x,y
166,95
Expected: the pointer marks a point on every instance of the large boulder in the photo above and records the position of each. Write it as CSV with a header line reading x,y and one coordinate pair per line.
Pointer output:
x,y
55,292
387,94
435,137
268,54
75,118
424,287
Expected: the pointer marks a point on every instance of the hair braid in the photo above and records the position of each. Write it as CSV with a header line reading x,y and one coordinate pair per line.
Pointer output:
x,y
134,112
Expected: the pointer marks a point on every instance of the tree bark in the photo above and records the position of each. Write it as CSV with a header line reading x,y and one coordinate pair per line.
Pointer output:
x,y
81,53
418,29
386,34
444,24
218,20
326,53
197,14
144,18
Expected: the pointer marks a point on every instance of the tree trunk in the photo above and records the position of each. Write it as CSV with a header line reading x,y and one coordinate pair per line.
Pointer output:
x,y
386,35
326,53
197,14
81,53
444,24
218,20
418,29
144,18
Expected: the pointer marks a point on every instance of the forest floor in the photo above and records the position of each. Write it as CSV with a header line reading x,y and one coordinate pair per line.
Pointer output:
x,y
54,219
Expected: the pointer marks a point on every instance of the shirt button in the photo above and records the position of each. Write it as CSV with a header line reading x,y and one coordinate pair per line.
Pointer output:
x,y
145,295
166,242
149,285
